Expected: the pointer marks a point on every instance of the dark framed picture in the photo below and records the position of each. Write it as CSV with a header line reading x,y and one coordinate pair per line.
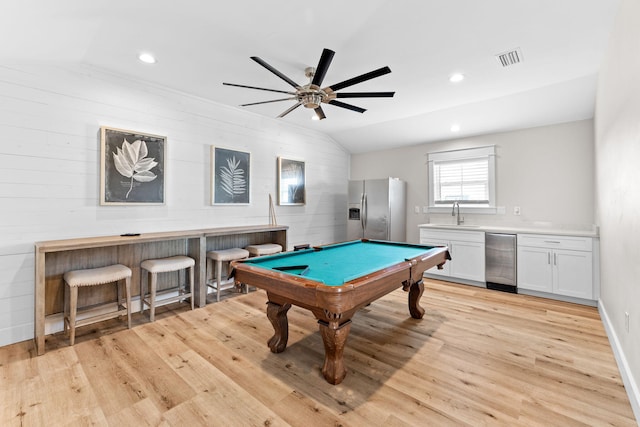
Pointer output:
x,y
230,177
132,167
291,182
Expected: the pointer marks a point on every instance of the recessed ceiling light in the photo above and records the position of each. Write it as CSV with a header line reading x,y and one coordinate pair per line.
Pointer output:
x,y
455,128
315,117
147,58
457,77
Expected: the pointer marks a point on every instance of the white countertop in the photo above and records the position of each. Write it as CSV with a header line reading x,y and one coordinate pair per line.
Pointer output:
x,y
513,229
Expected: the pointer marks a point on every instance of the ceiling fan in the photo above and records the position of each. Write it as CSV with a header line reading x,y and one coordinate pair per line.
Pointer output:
x,y
312,95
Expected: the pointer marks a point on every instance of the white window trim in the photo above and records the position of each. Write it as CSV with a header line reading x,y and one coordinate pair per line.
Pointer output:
x,y
461,154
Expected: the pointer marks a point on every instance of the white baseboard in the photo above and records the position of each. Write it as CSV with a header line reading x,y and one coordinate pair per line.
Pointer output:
x,y
630,384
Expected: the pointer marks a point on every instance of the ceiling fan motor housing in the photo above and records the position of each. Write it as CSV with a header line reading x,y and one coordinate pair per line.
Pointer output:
x,y
311,100
311,96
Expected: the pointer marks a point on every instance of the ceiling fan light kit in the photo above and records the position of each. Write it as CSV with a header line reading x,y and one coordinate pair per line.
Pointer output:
x,y
312,95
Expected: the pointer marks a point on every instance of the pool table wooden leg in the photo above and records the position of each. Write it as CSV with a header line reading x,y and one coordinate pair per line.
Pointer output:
x,y
334,337
415,293
277,314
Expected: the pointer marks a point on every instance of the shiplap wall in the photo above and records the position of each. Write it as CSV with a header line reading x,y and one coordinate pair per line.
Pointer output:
x,y
50,116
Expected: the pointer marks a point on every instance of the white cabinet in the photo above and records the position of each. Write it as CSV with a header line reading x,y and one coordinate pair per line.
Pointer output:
x,y
466,249
561,265
534,269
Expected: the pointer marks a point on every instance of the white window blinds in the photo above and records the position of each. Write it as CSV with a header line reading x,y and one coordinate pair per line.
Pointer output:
x,y
465,176
462,180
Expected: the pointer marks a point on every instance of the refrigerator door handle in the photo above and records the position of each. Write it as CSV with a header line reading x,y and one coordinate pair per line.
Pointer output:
x,y
363,218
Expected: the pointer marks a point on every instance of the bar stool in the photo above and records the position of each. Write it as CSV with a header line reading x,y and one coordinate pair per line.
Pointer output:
x,y
260,250
220,256
165,265
94,277
264,249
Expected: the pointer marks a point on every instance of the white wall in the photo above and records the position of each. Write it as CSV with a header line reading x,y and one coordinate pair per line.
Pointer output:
x,y
547,171
50,117
617,195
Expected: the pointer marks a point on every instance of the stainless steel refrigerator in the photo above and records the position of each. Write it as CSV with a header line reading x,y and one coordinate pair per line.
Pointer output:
x,y
377,209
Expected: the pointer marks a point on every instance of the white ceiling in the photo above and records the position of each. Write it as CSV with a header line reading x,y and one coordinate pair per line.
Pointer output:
x,y
201,43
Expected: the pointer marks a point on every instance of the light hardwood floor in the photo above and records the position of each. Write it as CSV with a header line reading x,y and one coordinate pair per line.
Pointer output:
x,y
478,357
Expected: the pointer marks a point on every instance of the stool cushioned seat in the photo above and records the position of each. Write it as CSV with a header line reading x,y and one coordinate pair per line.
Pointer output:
x,y
94,277
165,265
97,276
228,254
264,249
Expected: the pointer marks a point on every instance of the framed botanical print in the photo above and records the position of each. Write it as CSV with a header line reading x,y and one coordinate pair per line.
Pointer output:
x,y
291,182
132,167
230,177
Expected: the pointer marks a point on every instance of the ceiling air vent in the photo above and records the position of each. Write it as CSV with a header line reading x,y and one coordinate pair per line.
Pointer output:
x,y
510,57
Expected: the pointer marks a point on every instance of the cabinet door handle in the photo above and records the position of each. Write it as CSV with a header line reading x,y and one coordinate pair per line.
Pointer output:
x,y
555,259
548,257
552,241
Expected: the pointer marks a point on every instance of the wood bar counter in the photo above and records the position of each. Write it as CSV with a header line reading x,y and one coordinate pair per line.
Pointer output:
x,y
53,258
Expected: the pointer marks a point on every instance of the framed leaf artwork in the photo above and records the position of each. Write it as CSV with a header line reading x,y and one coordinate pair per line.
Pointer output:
x,y
230,177
291,182
132,167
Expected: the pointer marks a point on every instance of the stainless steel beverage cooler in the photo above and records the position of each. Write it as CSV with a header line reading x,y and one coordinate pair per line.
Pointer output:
x,y
500,268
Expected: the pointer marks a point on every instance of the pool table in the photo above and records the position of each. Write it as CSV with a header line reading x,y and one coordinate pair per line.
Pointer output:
x,y
333,282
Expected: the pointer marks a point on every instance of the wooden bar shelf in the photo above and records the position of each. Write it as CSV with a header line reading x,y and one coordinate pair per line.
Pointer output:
x,y
53,258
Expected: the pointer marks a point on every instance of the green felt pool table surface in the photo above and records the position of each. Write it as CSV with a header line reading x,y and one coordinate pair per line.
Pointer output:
x,y
337,264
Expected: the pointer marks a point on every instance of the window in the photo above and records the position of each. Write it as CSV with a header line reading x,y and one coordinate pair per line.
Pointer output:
x,y
466,176
462,180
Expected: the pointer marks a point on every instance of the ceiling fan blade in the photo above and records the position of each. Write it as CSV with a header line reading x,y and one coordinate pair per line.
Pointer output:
x,y
267,102
259,88
320,113
359,79
276,72
323,66
347,106
365,94
290,110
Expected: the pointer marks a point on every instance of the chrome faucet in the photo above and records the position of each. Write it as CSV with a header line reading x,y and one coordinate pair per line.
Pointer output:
x,y
453,213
